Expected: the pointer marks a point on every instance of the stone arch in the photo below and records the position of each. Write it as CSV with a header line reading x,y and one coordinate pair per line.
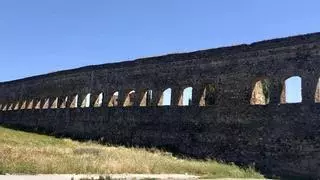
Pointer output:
x,y
11,107
5,107
46,104
166,98
86,101
74,102
55,103
292,90
114,100
64,103
38,105
317,93
99,101
186,97
260,94
17,106
30,105
24,105
208,97
130,99
147,98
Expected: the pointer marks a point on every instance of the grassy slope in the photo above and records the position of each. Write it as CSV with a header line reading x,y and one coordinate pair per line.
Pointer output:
x,y
29,153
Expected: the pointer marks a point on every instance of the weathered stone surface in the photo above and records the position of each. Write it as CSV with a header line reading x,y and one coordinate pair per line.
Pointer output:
x,y
281,139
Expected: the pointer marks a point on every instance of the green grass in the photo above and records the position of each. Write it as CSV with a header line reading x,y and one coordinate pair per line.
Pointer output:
x,y
29,153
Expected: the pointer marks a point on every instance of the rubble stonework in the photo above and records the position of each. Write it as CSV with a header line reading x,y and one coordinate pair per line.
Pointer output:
x,y
279,138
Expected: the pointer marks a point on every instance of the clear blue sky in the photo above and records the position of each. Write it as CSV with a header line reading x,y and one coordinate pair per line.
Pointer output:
x,y
41,36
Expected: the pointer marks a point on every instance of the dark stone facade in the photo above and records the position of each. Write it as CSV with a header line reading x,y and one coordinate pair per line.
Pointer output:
x,y
280,139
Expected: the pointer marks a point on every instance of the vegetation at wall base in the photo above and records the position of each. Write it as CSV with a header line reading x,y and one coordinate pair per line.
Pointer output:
x,y
29,153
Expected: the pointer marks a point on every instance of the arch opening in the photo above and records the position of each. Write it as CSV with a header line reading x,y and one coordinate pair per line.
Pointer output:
x,y
46,104
99,100
30,105
64,103
130,99
147,99
208,97
38,105
187,96
55,103
165,99
292,91
11,107
261,92
5,107
24,105
86,101
114,100
17,106
317,93
74,103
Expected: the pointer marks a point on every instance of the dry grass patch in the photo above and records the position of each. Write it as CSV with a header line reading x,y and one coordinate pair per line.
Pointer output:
x,y
30,153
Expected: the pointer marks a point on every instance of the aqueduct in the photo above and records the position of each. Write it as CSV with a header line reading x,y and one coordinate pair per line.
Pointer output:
x,y
238,110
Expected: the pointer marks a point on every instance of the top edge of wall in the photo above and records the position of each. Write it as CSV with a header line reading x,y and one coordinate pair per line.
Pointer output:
x,y
220,51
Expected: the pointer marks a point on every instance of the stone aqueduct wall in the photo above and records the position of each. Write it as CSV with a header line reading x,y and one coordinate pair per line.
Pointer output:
x,y
281,139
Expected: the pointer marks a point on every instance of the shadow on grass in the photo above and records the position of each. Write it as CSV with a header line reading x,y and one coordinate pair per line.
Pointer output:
x,y
167,149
